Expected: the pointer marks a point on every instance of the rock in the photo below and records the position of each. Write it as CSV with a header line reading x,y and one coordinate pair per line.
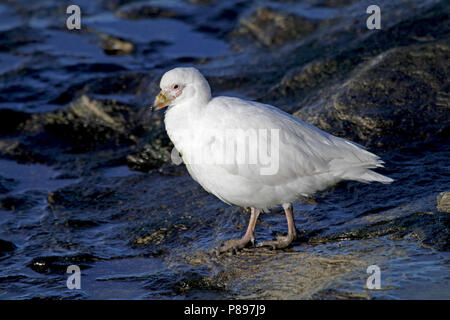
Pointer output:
x,y
385,99
59,264
86,196
116,84
11,119
430,229
17,202
6,248
443,202
17,150
114,46
270,27
19,36
302,82
6,184
84,125
149,157
153,11
331,3
154,150
193,281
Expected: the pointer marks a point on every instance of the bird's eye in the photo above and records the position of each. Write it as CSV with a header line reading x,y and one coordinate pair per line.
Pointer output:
x,y
175,86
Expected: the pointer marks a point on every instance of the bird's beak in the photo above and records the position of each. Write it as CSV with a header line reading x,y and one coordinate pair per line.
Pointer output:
x,y
161,101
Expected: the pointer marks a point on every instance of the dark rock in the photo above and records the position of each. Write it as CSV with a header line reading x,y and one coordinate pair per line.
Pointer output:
x,y
59,264
150,156
84,125
24,153
430,229
148,10
87,195
6,184
154,150
77,223
194,281
6,248
11,119
443,202
299,83
14,38
17,202
395,93
115,46
333,294
331,3
124,83
270,27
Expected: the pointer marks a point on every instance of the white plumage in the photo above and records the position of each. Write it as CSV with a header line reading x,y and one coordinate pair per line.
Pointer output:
x,y
309,159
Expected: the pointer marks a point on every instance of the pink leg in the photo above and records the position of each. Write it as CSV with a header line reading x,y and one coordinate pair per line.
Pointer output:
x,y
284,241
249,237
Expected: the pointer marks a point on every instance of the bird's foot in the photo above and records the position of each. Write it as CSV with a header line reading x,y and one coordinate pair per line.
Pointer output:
x,y
282,242
234,245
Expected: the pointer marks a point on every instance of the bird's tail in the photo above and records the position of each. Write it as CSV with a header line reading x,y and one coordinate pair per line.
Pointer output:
x,y
360,171
367,176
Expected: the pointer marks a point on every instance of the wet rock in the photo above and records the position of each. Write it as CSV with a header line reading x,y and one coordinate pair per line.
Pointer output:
x,y
17,150
86,195
116,84
331,3
151,156
156,237
114,46
77,223
301,82
270,27
430,229
333,294
196,282
84,125
443,202
59,264
11,119
14,38
6,184
148,10
203,2
6,248
153,151
17,202
397,92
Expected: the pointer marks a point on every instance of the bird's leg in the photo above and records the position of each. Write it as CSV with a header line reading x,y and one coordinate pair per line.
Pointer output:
x,y
284,241
249,237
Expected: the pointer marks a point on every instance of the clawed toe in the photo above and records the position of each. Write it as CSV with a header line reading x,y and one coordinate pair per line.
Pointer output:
x,y
282,242
233,246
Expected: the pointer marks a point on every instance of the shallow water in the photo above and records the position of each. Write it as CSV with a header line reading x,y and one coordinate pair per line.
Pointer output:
x,y
150,235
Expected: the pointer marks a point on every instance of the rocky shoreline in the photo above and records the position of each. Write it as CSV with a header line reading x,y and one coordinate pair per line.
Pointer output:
x,y
85,169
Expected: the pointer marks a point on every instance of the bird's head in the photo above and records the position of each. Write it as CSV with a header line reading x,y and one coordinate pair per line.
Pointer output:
x,y
180,85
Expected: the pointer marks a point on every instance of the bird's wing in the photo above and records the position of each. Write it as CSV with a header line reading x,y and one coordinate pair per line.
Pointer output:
x,y
302,149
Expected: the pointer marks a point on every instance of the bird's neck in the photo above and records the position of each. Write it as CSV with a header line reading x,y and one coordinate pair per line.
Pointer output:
x,y
182,120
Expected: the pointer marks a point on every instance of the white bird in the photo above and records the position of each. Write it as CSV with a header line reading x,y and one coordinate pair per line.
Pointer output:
x,y
208,131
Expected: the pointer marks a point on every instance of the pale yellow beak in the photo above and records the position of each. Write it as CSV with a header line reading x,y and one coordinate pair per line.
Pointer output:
x,y
161,101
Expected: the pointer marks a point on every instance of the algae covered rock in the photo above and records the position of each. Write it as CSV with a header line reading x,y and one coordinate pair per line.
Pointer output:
x,y
443,202
84,124
398,97
270,27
